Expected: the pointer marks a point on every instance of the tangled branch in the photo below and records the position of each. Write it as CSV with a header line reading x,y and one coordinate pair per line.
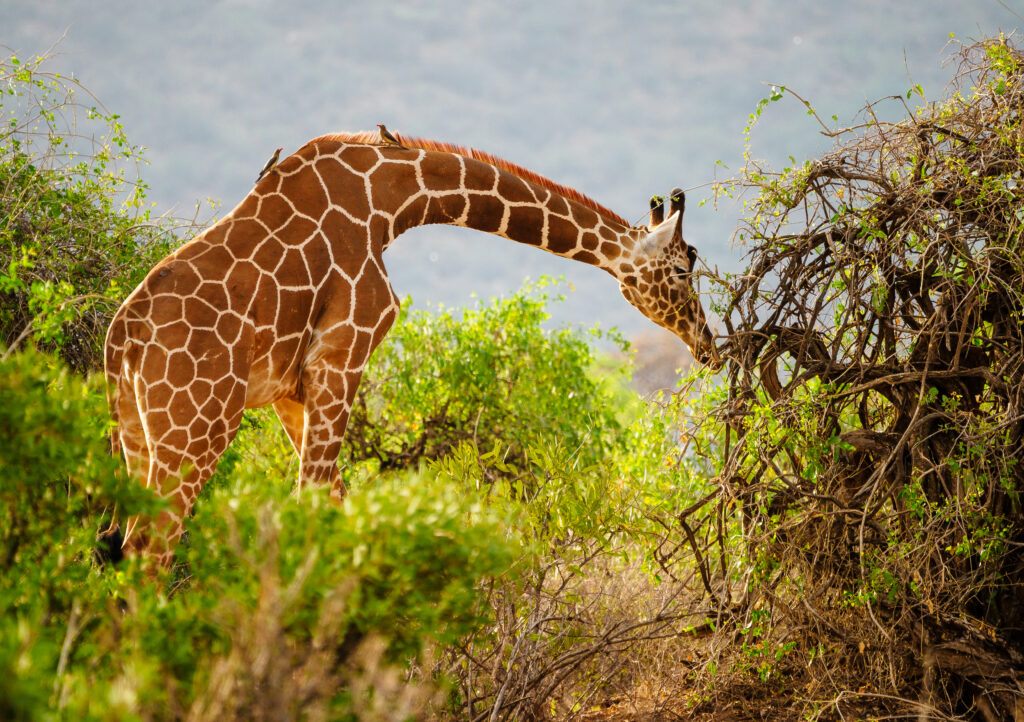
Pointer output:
x,y
876,412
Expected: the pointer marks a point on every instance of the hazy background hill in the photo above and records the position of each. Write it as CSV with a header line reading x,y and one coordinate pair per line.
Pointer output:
x,y
619,99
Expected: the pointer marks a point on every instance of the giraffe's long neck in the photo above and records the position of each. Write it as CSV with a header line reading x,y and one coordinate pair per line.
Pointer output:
x,y
496,201
437,187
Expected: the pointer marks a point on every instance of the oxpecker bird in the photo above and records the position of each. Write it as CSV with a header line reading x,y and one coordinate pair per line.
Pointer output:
x,y
270,164
385,135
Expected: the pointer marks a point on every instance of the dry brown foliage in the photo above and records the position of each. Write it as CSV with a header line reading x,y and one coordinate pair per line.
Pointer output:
x,y
872,461
580,638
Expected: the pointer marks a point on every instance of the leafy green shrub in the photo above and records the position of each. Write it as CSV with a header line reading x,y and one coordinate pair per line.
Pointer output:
x,y
492,401
75,236
409,548
58,483
57,478
491,376
320,594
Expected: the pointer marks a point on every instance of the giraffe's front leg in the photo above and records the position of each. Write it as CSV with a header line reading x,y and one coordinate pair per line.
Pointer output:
x,y
291,413
332,369
328,394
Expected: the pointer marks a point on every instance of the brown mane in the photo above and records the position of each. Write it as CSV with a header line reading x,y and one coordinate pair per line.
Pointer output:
x,y
373,138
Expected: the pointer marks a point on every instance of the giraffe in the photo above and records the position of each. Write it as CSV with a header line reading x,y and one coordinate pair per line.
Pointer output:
x,y
283,301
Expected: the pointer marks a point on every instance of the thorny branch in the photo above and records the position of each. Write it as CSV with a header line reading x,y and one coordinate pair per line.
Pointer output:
x,y
875,422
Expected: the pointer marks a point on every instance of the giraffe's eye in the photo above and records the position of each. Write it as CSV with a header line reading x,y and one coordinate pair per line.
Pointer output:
x,y
679,272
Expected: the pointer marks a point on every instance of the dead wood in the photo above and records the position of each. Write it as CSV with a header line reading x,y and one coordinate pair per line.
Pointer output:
x,y
874,436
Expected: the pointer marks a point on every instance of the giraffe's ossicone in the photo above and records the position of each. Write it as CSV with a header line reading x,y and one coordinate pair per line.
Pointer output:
x,y
283,301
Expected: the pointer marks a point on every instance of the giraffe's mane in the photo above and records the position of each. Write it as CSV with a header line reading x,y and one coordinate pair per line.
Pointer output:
x,y
373,138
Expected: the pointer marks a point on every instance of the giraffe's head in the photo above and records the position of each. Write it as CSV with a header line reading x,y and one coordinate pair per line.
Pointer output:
x,y
661,286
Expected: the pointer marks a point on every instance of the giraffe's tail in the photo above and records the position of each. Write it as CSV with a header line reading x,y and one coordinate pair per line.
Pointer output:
x,y
109,540
113,353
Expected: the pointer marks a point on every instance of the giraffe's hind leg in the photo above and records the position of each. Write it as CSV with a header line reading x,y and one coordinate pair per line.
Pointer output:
x,y
131,432
189,415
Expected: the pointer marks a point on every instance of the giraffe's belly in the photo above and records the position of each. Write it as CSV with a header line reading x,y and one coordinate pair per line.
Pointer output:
x,y
264,391
274,375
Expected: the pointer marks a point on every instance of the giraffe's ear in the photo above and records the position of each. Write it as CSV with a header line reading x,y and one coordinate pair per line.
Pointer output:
x,y
659,237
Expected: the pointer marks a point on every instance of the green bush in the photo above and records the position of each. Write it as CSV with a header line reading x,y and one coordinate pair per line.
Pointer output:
x,y
75,235
58,484
410,549
58,481
269,572
494,402
491,376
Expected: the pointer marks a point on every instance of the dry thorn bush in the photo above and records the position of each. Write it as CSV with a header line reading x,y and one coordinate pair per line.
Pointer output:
x,y
872,452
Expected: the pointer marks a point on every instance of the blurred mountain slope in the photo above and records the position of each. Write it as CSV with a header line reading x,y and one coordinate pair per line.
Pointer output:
x,y
620,100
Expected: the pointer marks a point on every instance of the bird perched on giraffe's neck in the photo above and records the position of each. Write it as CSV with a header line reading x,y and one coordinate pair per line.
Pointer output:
x,y
270,164
387,137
